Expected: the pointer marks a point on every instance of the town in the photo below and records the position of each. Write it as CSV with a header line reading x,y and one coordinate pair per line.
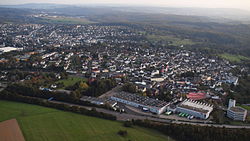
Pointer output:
x,y
151,81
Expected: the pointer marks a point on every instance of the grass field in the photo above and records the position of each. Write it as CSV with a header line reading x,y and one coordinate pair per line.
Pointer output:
x,y
245,107
67,20
233,58
45,124
71,81
175,41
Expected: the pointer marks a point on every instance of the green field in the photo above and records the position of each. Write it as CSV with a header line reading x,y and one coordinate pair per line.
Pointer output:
x,y
67,20
175,41
71,81
245,107
234,58
45,124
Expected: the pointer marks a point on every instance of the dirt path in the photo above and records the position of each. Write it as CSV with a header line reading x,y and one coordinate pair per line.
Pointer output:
x,y
10,131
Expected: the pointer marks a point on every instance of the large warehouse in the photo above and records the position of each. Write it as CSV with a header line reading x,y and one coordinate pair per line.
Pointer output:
x,y
153,105
195,108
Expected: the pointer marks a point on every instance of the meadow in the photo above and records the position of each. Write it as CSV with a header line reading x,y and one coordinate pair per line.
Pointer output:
x,y
45,124
234,58
175,41
71,80
66,20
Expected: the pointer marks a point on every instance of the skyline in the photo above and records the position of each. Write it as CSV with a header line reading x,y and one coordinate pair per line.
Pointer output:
x,y
237,4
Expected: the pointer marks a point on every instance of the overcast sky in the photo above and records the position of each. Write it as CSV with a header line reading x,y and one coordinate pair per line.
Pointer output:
x,y
239,4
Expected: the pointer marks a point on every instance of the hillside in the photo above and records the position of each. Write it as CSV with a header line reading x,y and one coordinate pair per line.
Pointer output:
x,y
39,124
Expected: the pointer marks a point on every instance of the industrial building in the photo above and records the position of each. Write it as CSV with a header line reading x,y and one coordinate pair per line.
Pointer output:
x,y
143,102
93,100
236,112
195,108
99,101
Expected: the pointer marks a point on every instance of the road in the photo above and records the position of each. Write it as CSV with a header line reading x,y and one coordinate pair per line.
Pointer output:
x,y
125,117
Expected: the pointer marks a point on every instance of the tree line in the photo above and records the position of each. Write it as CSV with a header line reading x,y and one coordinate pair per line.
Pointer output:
x,y
29,91
94,89
184,132
5,95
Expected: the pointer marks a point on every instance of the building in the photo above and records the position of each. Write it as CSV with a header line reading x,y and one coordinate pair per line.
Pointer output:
x,y
196,96
9,49
236,112
231,103
195,108
99,101
93,100
232,80
143,102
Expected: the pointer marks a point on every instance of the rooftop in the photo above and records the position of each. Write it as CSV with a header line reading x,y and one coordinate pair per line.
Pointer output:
x,y
237,109
196,106
141,99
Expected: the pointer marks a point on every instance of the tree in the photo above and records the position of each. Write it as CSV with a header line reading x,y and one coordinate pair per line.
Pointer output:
x,y
127,124
122,133
84,85
129,87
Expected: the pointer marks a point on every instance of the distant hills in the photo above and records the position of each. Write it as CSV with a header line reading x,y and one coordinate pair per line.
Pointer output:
x,y
209,14
35,6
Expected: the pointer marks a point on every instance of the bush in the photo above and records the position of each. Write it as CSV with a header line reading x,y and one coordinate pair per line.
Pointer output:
x,y
122,133
127,124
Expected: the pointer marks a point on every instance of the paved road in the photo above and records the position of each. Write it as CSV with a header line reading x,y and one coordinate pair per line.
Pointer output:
x,y
125,116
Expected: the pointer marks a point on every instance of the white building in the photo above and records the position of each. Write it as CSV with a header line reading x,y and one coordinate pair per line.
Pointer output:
x,y
9,49
236,112
232,80
143,102
195,108
231,103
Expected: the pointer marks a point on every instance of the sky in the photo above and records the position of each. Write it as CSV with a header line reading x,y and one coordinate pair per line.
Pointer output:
x,y
239,4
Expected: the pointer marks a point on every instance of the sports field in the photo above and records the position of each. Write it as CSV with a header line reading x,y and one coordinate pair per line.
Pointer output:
x,y
45,124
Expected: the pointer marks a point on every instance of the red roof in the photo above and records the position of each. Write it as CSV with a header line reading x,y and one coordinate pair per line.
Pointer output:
x,y
196,96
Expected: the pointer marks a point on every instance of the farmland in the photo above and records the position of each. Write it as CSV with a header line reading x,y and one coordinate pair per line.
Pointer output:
x,y
234,58
66,20
9,131
174,41
39,123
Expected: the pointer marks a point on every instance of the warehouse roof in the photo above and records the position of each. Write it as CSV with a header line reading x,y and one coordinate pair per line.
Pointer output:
x,y
143,100
196,106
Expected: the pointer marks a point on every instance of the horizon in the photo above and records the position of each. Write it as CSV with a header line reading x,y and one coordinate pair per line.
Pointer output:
x,y
220,4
